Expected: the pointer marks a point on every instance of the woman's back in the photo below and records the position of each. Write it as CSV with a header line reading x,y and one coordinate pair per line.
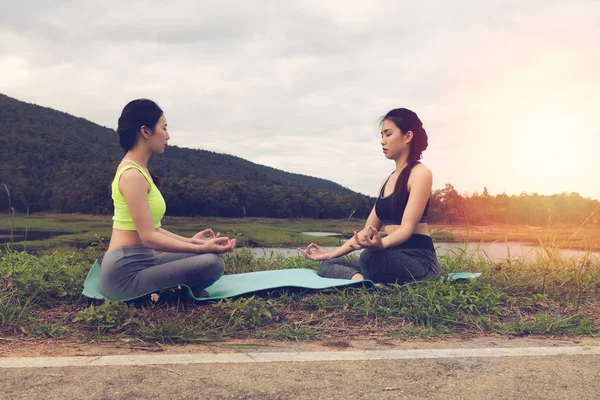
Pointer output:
x,y
124,232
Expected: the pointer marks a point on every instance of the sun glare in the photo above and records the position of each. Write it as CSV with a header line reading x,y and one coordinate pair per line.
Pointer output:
x,y
539,127
547,138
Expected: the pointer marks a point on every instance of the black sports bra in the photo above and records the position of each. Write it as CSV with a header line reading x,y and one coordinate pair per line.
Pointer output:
x,y
383,207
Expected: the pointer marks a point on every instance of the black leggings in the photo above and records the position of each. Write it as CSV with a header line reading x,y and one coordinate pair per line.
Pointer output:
x,y
393,265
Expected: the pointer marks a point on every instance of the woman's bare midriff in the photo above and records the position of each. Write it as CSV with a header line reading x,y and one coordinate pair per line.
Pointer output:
x,y
421,229
121,238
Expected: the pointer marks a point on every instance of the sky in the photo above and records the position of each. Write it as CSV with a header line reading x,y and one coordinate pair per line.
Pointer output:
x,y
507,90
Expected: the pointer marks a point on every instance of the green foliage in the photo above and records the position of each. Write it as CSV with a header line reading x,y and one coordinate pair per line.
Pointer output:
x,y
291,332
246,313
173,330
434,304
552,277
545,296
448,206
87,234
244,260
443,236
52,161
51,330
106,315
428,304
47,279
14,309
299,262
460,260
544,324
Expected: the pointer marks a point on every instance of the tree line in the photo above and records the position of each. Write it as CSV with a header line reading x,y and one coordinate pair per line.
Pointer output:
x,y
194,196
448,206
55,162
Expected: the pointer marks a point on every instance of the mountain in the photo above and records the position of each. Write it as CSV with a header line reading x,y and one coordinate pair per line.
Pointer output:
x,y
53,161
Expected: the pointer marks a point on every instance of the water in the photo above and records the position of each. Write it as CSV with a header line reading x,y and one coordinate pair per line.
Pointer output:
x,y
492,251
20,235
321,234
501,251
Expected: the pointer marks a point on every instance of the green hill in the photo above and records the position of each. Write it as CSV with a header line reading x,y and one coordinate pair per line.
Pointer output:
x,y
53,161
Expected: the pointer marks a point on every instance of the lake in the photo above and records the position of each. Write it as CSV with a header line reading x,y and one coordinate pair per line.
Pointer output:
x,y
492,250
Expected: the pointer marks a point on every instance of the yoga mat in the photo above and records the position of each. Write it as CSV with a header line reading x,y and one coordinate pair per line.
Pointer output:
x,y
250,282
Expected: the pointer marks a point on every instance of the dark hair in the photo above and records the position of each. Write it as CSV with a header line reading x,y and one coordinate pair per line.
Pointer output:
x,y
138,113
406,120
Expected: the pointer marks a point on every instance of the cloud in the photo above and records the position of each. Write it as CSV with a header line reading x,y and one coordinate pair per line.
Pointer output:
x,y
300,86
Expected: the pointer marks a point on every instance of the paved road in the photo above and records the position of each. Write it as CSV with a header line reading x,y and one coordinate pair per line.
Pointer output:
x,y
481,374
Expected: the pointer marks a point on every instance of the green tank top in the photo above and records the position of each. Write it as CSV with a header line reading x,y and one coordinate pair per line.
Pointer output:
x,y
122,219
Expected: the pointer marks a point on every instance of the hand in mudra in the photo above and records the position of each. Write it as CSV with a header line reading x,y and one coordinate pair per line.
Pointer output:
x,y
205,235
314,252
371,239
219,245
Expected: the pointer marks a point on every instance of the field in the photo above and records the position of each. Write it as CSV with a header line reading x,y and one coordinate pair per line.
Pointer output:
x,y
82,231
40,292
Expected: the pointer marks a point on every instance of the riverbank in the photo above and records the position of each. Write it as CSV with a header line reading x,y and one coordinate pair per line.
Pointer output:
x,y
44,233
561,236
40,298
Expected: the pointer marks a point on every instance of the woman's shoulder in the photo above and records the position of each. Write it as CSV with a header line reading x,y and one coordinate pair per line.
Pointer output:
x,y
421,168
130,174
420,171
131,168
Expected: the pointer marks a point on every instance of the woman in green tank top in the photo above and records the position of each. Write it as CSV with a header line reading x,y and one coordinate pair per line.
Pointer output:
x,y
131,267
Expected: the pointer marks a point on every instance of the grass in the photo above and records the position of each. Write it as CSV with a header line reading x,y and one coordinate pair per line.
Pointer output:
x,y
40,296
40,290
79,231
585,237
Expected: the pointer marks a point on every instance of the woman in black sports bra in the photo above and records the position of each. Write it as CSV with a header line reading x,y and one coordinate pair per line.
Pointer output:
x,y
406,253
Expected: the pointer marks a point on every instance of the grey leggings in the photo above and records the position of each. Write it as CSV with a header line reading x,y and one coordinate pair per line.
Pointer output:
x,y
394,265
131,272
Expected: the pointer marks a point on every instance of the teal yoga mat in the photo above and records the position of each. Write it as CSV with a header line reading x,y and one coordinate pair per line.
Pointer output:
x,y
238,284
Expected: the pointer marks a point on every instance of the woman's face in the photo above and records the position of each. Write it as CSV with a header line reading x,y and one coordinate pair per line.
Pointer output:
x,y
393,141
159,137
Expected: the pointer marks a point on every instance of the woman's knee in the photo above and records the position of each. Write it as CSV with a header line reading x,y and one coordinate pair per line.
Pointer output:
x,y
328,269
205,267
323,268
216,263
365,256
331,269
326,263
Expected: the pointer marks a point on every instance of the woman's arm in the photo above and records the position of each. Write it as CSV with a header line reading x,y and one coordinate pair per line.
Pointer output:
x,y
134,188
420,190
174,235
349,246
199,238
352,243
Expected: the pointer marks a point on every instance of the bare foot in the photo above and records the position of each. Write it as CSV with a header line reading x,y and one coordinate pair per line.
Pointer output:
x,y
357,277
201,293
